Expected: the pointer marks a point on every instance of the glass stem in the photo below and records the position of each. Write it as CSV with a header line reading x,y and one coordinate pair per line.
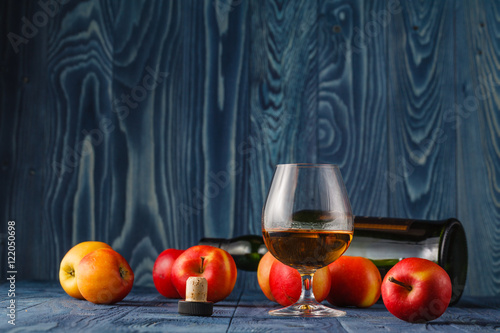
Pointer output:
x,y
307,295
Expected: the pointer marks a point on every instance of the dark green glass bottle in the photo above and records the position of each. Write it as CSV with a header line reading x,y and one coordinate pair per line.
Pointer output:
x,y
245,250
383,240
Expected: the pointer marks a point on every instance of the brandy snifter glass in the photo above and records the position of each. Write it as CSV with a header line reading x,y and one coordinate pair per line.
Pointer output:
x,y
307,224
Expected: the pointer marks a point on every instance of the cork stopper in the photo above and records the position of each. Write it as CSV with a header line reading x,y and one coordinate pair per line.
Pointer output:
x,y
196,289
196,298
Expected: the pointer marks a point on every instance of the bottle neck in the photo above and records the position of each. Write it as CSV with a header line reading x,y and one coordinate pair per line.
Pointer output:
x,y
216,242
245,250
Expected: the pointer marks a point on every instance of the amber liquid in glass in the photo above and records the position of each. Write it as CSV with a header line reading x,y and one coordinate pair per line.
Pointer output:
x,y
307,250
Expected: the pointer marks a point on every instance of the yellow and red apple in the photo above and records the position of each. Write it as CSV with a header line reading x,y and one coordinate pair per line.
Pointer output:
x,y
356,282
69,265
214,264
162,273
416,290
104,277
263,271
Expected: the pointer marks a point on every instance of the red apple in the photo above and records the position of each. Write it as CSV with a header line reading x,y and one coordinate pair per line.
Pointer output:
x,y
214,264
104,277
355,282
416,290
162,271
263,270
286,283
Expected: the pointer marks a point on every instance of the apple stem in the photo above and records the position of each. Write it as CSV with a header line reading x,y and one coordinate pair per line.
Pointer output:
x,y
399,283
202,262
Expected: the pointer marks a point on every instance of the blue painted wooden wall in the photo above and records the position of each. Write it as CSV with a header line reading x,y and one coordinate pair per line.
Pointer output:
x,y
150,124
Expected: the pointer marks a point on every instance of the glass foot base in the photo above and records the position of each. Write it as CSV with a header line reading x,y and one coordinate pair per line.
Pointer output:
x,y
307,310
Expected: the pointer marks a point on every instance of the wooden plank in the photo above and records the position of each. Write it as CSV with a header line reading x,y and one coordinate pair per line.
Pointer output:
x,y
252,315
10,105
224,37
23,138
45,306
178,144
471,313
352,111
77,86
476,118
283,93
421,145
148,134
307,103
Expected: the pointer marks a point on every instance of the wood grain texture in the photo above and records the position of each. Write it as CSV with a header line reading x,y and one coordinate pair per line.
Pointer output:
x,y
421,145
10,100
132,155
477,120
352,107
23,119
283,92
151,124
44,307
78,82
225,107
144,68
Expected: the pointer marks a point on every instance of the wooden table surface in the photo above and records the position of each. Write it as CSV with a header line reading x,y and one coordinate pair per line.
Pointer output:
x,y
43,306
